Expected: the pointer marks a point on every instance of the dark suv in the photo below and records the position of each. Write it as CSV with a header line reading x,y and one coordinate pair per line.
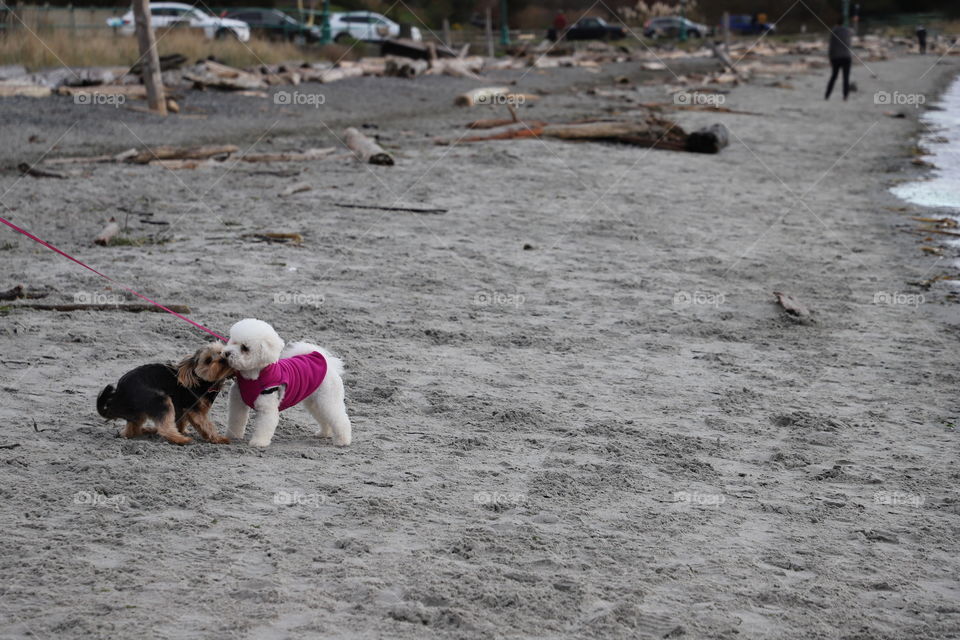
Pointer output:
x,y
275,25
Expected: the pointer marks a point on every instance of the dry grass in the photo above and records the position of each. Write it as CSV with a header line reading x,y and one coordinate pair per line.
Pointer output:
x,y
56,48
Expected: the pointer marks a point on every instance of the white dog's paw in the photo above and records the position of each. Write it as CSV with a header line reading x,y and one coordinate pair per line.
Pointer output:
x,y
341,441
325,432
260,442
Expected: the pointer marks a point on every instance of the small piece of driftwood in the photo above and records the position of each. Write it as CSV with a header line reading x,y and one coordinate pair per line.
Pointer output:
x,y
791,305
382,208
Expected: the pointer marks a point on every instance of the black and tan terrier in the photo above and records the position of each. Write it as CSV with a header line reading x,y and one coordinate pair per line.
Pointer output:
x,y
171,396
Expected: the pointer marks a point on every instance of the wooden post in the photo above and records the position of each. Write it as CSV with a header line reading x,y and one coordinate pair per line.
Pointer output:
x,y
446,33
149,58
726,31
488,30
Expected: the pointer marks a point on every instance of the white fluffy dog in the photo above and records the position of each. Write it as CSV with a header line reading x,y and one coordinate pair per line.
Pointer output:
x,y
271,379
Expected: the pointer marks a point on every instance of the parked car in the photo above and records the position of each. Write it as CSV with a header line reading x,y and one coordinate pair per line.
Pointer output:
x,y
275,25
750,25
590,29
367,26
176,14
670,28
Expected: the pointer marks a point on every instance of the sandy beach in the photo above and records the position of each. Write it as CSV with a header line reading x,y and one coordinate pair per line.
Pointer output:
x,y
577,411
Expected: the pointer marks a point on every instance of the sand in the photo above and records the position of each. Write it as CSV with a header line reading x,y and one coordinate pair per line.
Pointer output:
x,y
577,411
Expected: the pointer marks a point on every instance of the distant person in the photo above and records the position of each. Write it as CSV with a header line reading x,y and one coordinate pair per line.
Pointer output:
x,y
922,39
560,23
840,58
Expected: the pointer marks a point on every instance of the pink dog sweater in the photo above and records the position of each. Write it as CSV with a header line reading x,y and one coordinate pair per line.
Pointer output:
x,y
301,374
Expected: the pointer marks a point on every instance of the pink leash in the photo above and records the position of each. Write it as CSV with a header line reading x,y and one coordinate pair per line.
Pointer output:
x,y
102,275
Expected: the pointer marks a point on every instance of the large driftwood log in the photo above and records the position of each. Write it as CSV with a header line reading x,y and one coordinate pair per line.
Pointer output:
x,y
365,148
183,153
652,132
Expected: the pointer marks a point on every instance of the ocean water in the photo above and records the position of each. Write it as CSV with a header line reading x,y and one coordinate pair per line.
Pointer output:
x,y
941,140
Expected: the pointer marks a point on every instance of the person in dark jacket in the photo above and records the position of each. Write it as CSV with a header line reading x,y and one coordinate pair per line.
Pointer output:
x,y
840,58
922,39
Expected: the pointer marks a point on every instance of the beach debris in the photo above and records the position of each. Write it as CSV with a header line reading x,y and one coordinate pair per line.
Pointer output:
x,y
182,153
275,237
346,205
32,170
365,148
791,305
936,251
210,74
895,114
109,231
296,188
19,292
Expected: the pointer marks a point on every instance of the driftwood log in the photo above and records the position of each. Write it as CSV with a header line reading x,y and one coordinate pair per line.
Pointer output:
x,y
365,148
183,153
651,132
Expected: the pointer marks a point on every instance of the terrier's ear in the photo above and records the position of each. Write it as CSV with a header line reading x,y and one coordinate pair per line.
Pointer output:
x,y
186,376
